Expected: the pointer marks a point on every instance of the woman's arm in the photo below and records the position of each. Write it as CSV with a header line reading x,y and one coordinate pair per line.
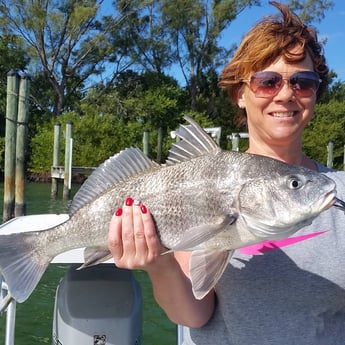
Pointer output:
x,y
173,292
134,244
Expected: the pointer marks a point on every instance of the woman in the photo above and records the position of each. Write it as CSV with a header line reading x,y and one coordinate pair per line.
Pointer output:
x,y
285,293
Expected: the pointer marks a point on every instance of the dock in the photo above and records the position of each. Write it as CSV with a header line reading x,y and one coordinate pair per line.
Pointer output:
x,y
58,171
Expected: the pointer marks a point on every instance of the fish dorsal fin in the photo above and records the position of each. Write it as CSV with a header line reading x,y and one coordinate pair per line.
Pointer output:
x,y
128,162
195,142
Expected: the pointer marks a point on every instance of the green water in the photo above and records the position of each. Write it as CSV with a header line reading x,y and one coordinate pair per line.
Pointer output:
x,y
34,317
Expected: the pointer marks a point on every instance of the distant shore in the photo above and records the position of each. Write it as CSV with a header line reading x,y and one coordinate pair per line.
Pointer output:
x,y
46,177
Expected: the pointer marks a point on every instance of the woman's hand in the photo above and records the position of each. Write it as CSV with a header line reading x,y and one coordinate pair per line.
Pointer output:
x,y
132,239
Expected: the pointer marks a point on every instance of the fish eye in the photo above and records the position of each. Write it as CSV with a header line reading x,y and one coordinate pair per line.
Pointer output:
x,y
295,183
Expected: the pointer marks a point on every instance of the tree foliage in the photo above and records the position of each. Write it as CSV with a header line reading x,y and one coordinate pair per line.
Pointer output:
x,y
151,99
96,138
150,47
310,10
64,38
70,42
12,57
106,67
327,125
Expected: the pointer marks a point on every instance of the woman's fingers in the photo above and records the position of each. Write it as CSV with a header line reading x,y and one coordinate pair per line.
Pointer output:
x,y
128,229
141,249
133,240
115,235
154,245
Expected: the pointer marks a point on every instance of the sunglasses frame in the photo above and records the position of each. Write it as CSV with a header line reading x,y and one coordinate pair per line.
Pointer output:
x,y
266,91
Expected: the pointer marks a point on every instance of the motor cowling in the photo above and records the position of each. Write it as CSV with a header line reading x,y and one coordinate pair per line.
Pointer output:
x,y
99,305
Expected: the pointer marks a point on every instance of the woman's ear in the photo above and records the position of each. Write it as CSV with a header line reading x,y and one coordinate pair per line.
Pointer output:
x,y
241,101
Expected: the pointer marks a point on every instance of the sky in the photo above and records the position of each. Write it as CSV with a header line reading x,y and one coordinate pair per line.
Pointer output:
x,y
332,28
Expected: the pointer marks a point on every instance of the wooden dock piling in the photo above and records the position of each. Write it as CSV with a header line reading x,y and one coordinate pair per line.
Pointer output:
x,y
56,159
21,144
10,144
160,145
330,148
146,142
68,160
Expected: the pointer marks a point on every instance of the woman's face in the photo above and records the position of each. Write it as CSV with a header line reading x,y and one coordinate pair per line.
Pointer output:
x,y
279,119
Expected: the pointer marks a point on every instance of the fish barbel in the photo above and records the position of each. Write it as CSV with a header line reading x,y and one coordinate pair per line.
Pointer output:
x,y
203,199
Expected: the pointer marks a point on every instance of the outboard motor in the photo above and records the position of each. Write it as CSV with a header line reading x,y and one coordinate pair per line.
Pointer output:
x,y
99,305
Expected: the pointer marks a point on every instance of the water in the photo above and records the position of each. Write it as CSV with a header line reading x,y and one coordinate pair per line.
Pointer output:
x,y
34,317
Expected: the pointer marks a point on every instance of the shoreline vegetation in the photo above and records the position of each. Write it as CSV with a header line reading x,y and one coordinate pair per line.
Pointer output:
x,y
46,177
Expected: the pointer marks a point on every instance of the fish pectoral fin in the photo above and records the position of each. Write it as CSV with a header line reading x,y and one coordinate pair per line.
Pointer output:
x,y
196,235
94,256
205,269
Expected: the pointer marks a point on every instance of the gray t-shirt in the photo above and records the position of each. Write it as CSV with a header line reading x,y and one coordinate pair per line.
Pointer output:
x,y
288,293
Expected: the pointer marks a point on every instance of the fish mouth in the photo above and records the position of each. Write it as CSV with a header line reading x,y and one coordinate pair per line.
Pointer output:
x,y
329,200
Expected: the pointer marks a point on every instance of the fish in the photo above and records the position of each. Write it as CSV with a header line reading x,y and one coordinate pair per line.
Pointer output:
x,y
203,199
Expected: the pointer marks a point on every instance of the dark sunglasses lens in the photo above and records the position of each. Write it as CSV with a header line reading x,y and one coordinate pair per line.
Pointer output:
x,y
305,83
265,84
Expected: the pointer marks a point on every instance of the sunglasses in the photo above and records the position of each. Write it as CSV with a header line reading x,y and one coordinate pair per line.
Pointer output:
x,y
267,84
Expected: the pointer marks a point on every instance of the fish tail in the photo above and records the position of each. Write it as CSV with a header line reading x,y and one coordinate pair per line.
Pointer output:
x,y
22,263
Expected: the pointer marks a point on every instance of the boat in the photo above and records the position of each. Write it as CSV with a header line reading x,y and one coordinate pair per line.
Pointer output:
x,y
99,305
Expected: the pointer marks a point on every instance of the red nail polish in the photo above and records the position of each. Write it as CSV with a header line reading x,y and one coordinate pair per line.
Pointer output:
x,y
129,202
143,209
118,212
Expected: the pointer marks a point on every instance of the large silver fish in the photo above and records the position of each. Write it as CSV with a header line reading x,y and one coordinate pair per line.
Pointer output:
x,y
203,199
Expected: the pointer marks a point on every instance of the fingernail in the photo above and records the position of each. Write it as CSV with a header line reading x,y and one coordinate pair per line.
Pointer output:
x,y
136,202
118,212
143,209
129,202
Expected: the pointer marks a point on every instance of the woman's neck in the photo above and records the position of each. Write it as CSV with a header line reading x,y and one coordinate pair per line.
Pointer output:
x,y
291,154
